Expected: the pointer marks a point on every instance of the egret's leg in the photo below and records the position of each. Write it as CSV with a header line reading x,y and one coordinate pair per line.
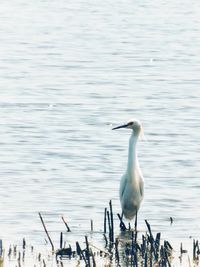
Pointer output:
x,y
136,221
136,226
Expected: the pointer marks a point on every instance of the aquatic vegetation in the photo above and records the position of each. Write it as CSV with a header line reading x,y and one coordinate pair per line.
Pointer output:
x,y
122,246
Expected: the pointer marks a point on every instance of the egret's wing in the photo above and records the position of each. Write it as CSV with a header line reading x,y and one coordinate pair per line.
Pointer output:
x,y
141,184
122,186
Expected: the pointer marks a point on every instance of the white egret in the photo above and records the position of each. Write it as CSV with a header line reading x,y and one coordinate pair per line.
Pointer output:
x,y
132,183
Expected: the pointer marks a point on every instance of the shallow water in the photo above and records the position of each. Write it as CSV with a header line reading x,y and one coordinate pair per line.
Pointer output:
x,y
69,70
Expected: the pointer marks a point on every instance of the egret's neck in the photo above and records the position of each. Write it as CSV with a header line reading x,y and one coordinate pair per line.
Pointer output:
x,y
132,154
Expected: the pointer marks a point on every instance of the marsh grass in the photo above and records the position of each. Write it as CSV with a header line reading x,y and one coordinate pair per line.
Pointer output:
x,y
122,246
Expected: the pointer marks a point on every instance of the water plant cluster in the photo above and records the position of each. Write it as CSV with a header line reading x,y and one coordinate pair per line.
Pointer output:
x,y
123,246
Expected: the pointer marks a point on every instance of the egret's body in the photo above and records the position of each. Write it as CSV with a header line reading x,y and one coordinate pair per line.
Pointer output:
x,y
132,184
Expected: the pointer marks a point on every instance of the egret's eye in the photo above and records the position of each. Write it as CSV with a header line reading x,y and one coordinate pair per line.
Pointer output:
x,y
131,123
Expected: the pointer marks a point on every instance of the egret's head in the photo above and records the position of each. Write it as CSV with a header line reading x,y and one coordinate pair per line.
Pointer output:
x,y
133,124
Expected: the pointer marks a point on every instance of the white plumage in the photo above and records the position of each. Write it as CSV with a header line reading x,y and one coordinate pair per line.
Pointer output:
x,y
132,183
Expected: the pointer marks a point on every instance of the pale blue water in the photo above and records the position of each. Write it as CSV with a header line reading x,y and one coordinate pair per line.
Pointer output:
x,y
70,69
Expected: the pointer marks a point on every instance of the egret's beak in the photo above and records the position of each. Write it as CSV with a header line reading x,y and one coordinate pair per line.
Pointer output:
x,y
121,126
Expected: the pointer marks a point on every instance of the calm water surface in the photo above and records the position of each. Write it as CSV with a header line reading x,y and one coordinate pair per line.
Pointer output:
x,y
70,69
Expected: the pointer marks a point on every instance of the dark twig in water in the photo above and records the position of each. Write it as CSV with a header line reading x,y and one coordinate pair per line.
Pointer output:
x,y
87,251
106,240
157,245
23,255
39,257
80,252
116,250
68,229
168,247
143,246
149,229
24,243
61,240
93,260
46,231
122,224
105,215
196,251
91,225
15,250
146,260
134,260
182,250
19,259
151,239
109,225
112,222
44,263
9,251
